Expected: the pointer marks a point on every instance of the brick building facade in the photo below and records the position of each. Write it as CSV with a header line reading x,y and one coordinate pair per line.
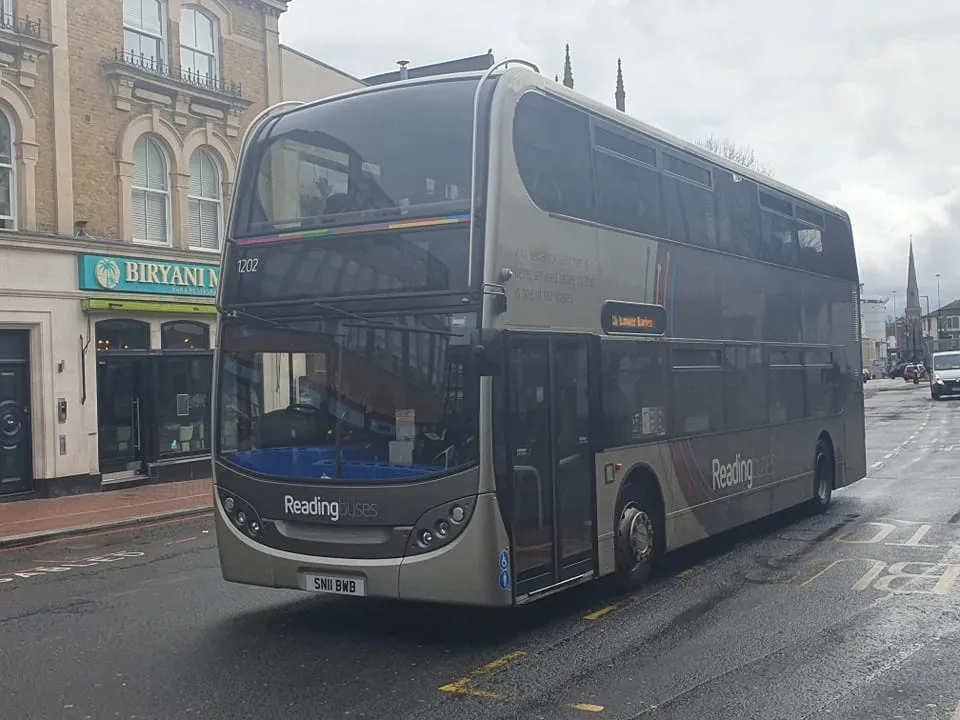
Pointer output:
x,y
120,127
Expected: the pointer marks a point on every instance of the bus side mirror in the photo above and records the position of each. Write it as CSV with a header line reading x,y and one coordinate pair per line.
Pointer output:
x,y
487,347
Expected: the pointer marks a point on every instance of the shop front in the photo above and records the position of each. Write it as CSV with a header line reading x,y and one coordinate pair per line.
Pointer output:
x,y
154,327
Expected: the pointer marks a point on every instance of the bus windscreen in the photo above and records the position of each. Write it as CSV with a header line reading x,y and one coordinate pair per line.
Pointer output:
x,y
395,152
345,401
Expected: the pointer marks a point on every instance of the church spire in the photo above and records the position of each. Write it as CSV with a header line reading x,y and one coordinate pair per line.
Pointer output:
x,y
567,69
621,94
913,291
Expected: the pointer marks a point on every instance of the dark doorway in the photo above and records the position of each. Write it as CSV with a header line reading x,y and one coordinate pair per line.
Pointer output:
x,y
16,448
122,396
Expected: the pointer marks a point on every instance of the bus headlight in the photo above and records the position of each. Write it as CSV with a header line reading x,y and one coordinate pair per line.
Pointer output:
x,y
440,525
241,514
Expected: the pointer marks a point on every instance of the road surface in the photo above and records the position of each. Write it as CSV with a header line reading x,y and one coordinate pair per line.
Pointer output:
x,y
854,614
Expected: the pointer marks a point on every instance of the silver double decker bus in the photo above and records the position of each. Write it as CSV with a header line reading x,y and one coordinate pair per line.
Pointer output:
x,y
483,339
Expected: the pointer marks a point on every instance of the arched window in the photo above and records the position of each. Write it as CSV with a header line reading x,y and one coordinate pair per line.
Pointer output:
x,y
151,193
144,31
184,335
8,175
122,335
204,201
199,45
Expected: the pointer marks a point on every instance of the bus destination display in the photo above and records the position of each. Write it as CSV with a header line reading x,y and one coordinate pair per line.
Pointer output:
x,y
625,318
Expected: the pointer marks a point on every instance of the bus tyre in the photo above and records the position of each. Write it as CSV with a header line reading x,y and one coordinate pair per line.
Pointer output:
x,y
823,477
637,544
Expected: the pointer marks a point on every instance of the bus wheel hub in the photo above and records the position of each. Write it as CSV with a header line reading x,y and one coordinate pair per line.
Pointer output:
x,y
639,532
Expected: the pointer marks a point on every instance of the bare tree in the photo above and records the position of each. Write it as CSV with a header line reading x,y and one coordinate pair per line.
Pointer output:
x,y
731,150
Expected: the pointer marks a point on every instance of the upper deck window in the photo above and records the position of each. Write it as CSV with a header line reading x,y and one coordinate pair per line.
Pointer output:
x,y
397,152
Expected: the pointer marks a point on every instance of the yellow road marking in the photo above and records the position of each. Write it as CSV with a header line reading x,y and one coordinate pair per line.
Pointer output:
x,y
686,573
811,579
587,707
461,686
609,609
458,689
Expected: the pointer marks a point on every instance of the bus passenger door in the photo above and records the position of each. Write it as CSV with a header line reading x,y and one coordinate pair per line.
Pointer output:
x,y
549,424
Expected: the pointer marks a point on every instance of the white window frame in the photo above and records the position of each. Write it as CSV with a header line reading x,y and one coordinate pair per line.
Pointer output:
x,y
167,194
217,201
129,26
195,10
9,18
13,170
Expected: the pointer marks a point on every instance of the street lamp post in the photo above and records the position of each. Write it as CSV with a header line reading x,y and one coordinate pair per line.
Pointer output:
x,y
896,326
939,308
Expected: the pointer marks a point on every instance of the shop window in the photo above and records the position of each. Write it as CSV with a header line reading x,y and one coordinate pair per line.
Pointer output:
x,y
183,404
184,335
114,335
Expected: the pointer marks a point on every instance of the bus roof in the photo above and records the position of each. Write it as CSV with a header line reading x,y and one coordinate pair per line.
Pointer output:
x,y
535,80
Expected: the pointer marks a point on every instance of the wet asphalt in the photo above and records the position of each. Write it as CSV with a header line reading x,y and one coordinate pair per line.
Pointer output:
x,y
854,614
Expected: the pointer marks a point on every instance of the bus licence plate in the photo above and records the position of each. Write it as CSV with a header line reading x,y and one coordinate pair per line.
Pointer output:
x,y
336,584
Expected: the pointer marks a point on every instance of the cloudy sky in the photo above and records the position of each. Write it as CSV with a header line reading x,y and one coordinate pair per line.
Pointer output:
x,y
854,101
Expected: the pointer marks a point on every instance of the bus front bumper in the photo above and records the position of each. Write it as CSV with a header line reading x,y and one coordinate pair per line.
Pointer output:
x,y
467,571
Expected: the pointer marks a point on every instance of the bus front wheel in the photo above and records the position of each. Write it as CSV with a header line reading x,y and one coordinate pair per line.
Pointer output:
x,y
637,538
823,471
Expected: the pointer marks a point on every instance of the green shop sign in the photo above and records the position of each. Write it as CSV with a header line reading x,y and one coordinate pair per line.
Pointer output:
x,y
108,273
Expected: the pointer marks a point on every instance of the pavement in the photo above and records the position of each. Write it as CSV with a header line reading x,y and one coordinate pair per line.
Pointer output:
x,y
27,522
849,615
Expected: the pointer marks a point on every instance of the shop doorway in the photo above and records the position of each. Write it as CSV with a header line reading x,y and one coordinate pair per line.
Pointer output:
x,y
122,395
122,400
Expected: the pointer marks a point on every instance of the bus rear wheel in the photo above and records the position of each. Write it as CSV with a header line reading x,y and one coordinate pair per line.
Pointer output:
x,y
637,538
823,477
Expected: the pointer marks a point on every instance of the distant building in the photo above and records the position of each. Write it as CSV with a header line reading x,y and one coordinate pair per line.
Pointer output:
x,y
306,79
943,325
873,329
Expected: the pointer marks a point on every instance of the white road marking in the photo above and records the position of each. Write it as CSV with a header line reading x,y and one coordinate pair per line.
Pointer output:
x,y
63,566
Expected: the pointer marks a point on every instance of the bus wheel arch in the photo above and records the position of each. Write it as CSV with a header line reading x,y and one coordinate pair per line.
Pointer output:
x,y
639,526
824,472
